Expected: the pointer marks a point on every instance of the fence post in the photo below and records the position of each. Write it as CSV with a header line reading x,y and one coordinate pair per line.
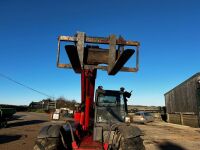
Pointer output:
x,y
181,117
168,120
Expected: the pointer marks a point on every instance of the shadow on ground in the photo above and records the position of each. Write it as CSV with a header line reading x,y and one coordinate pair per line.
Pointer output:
x,y
24,123
17,117
170,146
9,138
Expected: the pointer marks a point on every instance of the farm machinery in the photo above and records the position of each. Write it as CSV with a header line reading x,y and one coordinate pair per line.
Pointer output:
x,y
101,123
5,115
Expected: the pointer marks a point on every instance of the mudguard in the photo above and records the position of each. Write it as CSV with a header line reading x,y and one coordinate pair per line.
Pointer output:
x,y
129,131
50,131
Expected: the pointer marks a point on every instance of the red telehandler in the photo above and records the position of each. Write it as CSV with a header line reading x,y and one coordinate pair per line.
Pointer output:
x,y
100,124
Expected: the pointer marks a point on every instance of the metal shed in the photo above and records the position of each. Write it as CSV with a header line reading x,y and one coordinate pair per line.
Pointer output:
x,y
183,102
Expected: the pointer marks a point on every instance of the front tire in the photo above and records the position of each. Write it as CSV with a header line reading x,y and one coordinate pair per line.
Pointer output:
x,y
135,143
121,143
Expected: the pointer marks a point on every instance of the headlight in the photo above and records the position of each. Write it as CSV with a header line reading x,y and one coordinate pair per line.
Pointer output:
x,y
99,119
141,118
127,119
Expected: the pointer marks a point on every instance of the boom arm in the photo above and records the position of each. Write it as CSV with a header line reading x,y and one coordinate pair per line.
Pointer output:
x,y
88,77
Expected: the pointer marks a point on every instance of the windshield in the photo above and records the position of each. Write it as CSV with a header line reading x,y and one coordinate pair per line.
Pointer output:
x,y
147,114
110,100
110,107
107,99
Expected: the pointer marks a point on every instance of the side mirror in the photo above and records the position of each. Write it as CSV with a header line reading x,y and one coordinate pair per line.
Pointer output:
x,y
127,94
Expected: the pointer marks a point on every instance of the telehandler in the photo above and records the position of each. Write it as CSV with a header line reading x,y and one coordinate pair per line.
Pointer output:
x,y
100,124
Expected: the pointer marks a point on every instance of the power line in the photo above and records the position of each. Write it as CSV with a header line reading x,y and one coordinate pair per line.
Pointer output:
x,y
25,86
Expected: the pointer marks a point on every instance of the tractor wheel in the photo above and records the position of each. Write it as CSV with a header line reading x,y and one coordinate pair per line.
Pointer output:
x,y
120,143
48,144
135,143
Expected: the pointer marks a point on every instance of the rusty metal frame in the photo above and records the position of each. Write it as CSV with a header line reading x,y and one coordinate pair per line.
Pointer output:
x,y
81,39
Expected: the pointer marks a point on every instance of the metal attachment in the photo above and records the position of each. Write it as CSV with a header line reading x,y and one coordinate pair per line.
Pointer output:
x,y
92,56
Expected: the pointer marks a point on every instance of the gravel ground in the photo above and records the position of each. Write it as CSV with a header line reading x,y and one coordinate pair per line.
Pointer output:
x,y
22,132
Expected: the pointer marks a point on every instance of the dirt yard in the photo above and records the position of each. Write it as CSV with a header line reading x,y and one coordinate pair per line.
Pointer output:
x,y
167,136
21,134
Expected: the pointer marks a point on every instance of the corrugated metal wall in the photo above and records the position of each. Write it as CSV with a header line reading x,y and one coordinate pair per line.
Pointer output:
x,y
183,103
183,98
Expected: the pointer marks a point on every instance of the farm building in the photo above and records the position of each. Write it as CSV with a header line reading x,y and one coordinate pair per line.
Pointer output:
x,y
183,102
44,104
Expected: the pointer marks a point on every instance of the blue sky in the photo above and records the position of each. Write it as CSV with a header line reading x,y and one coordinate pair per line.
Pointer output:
x,y
168,31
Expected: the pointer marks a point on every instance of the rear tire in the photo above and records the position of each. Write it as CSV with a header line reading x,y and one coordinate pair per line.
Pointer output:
x,y
48,144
